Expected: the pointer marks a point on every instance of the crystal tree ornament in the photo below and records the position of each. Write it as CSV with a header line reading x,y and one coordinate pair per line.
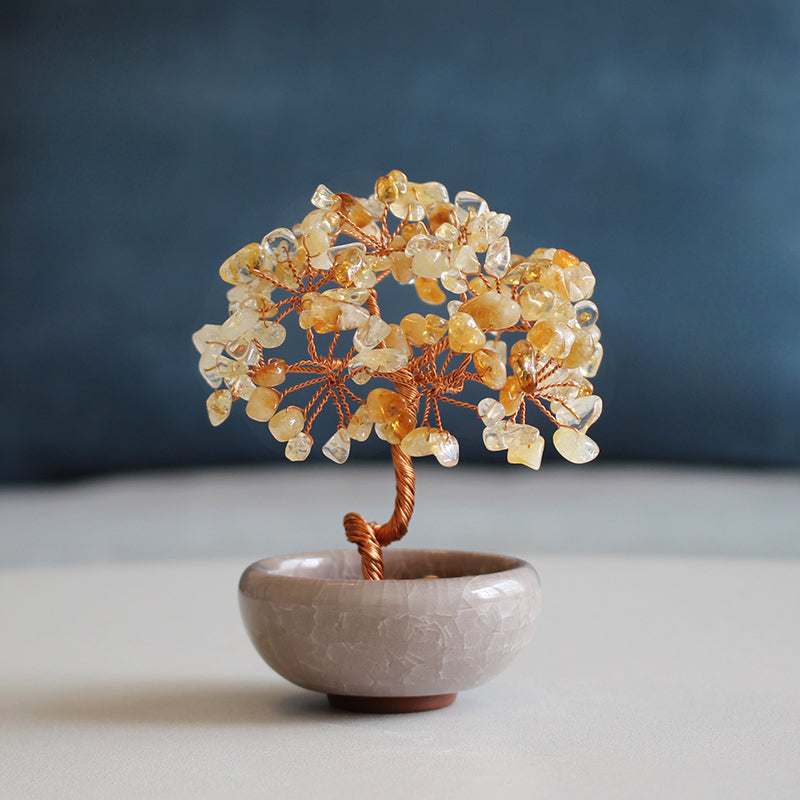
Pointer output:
x,y
524,328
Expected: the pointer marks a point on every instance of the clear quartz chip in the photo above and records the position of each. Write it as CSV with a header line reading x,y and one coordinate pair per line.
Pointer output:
x,y
444,447
298,447
575,446
490,411
218,406
337,448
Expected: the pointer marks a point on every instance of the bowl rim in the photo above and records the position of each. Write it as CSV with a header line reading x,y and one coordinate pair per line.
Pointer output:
x,y
512,563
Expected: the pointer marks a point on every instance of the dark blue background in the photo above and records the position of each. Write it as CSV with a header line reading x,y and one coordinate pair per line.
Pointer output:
x,y
143,143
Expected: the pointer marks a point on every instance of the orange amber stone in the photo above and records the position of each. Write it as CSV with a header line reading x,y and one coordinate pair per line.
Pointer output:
x,y
396,340
273,373
490,368
262,404
355,210
493,311
522,360
396,430
429,291
511,395
384,405
563,259
581,350
439,213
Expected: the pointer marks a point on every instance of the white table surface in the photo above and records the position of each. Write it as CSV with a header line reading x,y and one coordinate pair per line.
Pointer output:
x,y
649,677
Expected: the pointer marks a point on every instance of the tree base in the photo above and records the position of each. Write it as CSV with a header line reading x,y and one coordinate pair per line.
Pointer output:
x,y
391,705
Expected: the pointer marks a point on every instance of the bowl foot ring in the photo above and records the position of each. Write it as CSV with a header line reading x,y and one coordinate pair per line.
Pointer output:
x,y
391,705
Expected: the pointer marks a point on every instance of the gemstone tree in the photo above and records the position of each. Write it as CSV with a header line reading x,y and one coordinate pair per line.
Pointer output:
x,y
326,272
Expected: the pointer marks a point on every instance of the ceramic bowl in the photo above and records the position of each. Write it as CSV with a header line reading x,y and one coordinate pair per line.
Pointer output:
x,y
410,642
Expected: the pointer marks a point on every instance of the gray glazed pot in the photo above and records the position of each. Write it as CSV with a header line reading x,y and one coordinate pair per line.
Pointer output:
x,y
407,643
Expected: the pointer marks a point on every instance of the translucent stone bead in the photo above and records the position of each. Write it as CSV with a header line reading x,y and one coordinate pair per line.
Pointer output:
x,y
244,387
360,425
553,340
589,370
490,411
494,437
396,340
280,244
337,448
425,330
498,257
238,324
384,405
382,359
465,261
316,243
356,297
530,455
240,267
350,268
298,447
323,197
207,339
586,313
230,370
429,291
444,447
407,207
400,266
504,434
287,423
209,369
447,232
262,404
496,225
490,368
429,262
498,346
273,373
380,431
371,333
493,311
391,186
320,219
453,306
511,395
464,334
575,446
432,192
563,259
469,203
218,406
453,281
553,278
579,281
417,443
581,350
269,334
351,317
243,349
361,376
580,413
536,301
522,361
319,312
395,431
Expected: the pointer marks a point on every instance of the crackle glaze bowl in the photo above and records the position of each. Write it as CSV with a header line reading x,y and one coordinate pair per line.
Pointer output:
x,y
407,643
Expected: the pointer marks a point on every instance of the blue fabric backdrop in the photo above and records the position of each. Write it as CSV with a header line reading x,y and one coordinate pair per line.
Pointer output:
x,y
144,142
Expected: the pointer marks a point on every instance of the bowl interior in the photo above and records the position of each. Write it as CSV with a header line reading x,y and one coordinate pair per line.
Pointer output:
x,y
399,564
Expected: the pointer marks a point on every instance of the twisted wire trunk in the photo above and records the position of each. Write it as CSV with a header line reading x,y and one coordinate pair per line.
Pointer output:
x,y
370,537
